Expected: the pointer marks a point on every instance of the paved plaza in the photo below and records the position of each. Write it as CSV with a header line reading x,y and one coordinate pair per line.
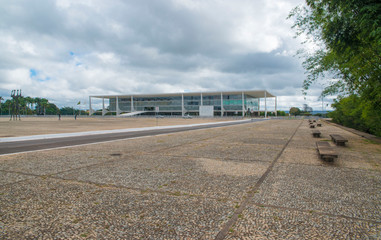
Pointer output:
x,y
260,180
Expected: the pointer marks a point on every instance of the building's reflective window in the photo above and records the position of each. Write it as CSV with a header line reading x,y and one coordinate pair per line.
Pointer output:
x,y
231,103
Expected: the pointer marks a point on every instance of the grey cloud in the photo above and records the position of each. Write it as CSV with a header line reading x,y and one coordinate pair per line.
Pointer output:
x,y
263,63
148,46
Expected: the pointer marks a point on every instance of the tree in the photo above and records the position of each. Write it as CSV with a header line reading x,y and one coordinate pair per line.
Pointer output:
x,y
7,106
29,102
22,104
67,111
1,108
44,103
51,109
353,112
347,34
43,107
294,111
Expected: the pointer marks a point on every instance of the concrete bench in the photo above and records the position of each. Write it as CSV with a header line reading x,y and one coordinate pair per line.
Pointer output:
x,y
318,125
316,133
338,139
312,125
325,151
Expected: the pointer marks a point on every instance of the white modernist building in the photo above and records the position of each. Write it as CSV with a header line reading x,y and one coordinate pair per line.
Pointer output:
x,y
204,104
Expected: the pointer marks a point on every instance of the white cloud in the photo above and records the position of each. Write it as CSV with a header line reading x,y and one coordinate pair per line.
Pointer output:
x,y
82,47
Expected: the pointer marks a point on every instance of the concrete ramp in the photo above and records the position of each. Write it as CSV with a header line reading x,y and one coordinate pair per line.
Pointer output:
x,y
131,114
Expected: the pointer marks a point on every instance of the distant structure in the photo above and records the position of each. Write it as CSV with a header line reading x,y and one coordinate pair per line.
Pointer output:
x,y
306,108
203,104
15,105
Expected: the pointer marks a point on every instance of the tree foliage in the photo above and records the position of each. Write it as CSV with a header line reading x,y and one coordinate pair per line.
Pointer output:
x,y
29,105
347,34
294,111
351,111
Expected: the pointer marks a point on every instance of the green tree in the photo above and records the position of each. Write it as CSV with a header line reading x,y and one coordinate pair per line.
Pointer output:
x,y
51,109
6,106
22,105
67,111
38,105
351,111
41,106
295,111
29,102
44,103
1,107
347,34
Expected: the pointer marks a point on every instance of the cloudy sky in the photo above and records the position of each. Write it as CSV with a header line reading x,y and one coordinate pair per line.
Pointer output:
x,y
66,50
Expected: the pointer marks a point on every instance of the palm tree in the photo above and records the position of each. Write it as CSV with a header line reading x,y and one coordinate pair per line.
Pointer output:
x,y
37,101
21,104
33,104
44,104
29,102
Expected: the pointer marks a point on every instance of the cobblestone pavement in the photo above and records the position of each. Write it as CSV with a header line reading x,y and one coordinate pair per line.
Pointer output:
x,y
259,180
37,125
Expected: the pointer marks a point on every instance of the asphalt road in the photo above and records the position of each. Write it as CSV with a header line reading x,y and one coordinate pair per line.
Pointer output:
x,y
41,144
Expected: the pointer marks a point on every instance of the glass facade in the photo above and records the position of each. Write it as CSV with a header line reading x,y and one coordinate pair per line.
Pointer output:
x,y
232,103
147,104
223,103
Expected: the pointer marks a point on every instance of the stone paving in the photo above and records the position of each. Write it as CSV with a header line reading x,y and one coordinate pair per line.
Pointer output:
x,y
190,185
37,125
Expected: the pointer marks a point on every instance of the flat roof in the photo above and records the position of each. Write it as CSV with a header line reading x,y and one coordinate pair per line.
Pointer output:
x,y
251,93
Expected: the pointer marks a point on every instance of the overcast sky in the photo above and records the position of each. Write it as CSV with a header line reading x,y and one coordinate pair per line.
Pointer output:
x,y
66,50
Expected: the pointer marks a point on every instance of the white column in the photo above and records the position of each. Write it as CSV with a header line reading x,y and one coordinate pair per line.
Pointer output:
x,y
222,105
90,109
182,105
132,104
243,105
259,107
201,103
276,114
117,106
265,105
103,106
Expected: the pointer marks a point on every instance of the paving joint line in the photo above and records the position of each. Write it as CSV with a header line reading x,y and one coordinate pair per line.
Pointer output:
x,y
320,213
52,174
19,173
103,185
84,167
142,191
225,229
327,164
182,144
221,159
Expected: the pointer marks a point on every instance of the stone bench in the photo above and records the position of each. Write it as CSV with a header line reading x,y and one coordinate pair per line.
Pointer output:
x,y
338,139
316,133
318,125
325,151
312,125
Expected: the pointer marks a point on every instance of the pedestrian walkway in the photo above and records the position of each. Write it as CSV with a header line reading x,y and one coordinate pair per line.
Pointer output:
x,y
260,180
